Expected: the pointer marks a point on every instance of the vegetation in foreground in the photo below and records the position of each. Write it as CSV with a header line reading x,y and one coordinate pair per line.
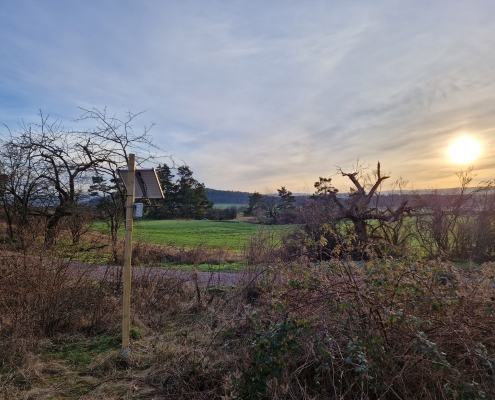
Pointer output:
x,y
382,328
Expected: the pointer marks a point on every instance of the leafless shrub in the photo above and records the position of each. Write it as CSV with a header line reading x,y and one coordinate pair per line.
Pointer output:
x,y
202,254
78,223
147,254
377,329
157,294
42,295
460,224
262,248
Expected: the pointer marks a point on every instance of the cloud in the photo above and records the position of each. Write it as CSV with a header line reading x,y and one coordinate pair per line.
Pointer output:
x,y
256,94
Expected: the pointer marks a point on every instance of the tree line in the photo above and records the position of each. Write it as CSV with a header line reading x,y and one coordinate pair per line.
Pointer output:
x,y
227,196
268,208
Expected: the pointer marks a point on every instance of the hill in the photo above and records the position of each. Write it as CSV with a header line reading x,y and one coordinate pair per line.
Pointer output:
x,y
228,196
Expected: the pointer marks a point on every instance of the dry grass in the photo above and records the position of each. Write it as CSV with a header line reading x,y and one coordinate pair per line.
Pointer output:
x,y
47,307
384,328
147,254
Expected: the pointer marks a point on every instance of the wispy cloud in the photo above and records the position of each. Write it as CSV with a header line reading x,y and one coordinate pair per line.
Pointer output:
x,y
256,94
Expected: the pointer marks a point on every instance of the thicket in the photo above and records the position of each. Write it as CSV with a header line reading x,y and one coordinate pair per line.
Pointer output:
x,y
383,328
457,225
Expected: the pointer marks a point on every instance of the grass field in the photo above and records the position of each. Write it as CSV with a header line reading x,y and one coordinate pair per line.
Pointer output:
x,y
231,235
227,205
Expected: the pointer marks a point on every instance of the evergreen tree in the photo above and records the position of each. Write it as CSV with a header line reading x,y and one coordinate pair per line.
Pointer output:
x,y
191,195
287,199
166,208
184,198
255,203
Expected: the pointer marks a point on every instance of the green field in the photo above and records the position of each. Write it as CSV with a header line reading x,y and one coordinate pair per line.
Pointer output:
x,y
231,235
226,205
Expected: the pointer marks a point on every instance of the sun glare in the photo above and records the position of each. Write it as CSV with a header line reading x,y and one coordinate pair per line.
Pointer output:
x,y
464,150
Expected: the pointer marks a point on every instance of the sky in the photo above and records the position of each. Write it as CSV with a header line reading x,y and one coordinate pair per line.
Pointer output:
x,y
255,95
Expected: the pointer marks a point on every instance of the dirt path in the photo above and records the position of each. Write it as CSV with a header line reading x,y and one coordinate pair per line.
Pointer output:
x,y
203,278
80,269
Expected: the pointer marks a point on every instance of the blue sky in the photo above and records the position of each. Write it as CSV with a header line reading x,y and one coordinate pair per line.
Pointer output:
x,y
259,94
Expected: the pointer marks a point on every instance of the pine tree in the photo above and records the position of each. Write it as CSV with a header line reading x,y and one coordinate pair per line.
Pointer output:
x,y
287,199
255,203
184,198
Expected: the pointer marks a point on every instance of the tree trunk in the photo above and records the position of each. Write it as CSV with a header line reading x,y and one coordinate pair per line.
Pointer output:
x,y
51,228
52,225
360,229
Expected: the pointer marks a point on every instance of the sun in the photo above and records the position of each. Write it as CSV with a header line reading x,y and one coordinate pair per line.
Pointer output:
x,y
464,150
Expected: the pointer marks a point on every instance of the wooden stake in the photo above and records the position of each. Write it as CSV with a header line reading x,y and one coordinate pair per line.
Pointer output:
x,y
126,318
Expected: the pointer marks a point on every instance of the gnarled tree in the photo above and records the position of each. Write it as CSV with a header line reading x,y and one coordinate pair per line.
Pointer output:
x,y
357,206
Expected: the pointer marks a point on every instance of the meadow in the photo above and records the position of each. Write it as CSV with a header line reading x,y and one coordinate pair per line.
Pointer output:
x,y
228,205
230,235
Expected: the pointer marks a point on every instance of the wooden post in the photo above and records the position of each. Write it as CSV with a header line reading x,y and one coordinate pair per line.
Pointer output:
x,y
126,318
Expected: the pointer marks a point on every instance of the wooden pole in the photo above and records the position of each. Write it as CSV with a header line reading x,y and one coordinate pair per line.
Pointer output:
x,y
126,318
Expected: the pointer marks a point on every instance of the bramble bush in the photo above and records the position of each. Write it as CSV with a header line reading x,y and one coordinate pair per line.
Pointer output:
x,y
383,328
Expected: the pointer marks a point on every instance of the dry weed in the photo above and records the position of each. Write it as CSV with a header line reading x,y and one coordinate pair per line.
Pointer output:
x,y
383,328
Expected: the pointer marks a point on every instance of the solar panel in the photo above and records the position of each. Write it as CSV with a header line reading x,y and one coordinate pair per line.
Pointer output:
x,y
146,182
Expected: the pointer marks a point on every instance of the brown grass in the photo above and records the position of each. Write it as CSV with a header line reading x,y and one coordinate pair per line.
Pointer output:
x,y
385,328
147,254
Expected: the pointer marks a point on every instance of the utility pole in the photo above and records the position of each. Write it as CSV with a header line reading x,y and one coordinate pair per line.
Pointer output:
x,y
148,188
126,318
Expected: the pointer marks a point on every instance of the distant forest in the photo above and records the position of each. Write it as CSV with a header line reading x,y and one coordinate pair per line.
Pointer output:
x,y
386,199
227,196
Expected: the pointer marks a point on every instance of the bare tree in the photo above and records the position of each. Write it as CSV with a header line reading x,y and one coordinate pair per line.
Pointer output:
x,y
110,207
458,223
400,231
65,159
119,136
23,193
356,206
270,203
